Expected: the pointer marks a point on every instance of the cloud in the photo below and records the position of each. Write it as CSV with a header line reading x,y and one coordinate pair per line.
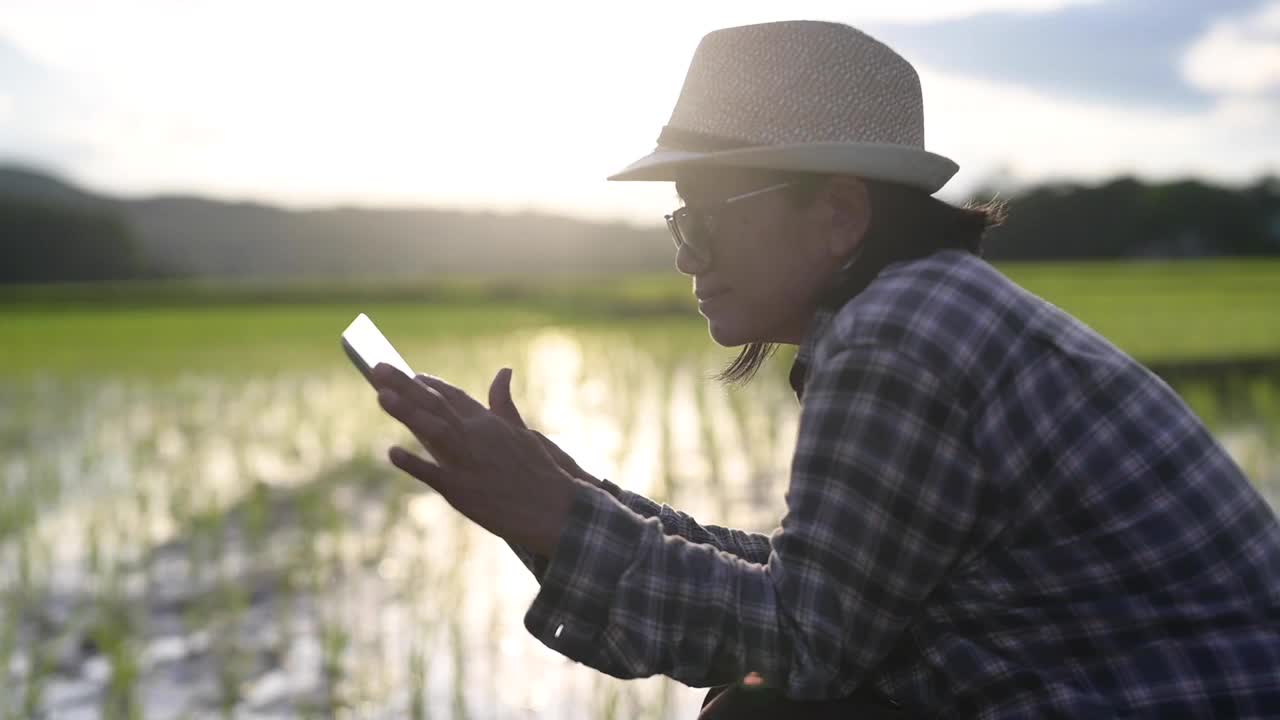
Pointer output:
x,y
1239,55
39,110
994,128
1124,51
1152,88
394,101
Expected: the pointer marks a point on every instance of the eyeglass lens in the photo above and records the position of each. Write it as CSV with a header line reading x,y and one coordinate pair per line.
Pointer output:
x,y
691,229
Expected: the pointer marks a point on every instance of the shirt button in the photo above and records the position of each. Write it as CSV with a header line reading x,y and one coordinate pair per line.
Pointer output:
x,y
559,629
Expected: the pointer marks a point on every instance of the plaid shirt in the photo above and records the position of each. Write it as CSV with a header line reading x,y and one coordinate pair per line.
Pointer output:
x,y
992,513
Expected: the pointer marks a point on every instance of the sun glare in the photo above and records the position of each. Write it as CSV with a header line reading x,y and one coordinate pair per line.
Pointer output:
x,y
505,106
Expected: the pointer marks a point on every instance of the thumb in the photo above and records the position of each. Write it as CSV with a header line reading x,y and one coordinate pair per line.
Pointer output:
x,y
500,401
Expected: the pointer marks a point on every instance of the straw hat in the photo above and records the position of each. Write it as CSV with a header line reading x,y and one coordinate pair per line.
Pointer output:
x,y
800,95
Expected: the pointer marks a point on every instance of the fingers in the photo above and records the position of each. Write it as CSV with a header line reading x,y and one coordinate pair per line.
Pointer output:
x,y
462,403
416,393
500,401
564,460
442,438
560,456
428,473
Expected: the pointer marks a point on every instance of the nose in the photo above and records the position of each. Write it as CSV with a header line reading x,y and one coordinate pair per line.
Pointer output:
x,y
687,263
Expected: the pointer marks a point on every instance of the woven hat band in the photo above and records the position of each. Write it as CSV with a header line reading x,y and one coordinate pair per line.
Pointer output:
x,y
693,141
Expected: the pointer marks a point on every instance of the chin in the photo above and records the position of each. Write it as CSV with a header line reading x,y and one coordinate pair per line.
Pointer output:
x,y
728,334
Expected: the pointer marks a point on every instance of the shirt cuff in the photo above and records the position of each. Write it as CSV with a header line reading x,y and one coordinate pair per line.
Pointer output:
x,y
638,504
535,562
614,490
597,545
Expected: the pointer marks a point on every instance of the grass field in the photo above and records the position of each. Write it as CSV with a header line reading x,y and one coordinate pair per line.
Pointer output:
x,y
198,519
1156,311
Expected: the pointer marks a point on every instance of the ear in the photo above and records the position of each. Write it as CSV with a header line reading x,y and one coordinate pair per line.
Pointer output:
x,y
850,206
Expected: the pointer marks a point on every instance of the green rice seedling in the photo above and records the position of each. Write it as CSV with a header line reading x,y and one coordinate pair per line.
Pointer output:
x,y
756,417
1264,395
616,366
1204,402
10,619
284,608
417,682
334,641
458,654
30,488
417,593
113,633
667,461
93,546
257,518
710,448
231,661
25,606
180,494
605,697
40,666
372,684
211,536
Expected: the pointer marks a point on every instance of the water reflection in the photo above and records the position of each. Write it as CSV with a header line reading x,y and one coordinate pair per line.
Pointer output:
x,y
220,544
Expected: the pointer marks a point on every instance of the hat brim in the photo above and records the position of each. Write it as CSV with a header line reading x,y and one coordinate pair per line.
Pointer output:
x,y
892,163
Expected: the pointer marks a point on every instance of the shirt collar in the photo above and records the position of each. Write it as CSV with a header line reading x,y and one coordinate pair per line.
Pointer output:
x,y
804,356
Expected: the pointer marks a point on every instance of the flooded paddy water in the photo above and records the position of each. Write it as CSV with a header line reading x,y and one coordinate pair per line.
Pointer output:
x,y
211,544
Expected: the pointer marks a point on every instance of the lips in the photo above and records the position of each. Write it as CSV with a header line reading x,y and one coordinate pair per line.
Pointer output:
x,y
705,294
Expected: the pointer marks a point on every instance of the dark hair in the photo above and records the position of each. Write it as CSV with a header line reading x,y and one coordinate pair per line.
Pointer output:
x,y
906,223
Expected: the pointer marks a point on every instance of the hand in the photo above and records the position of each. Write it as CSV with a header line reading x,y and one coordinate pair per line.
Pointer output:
x,y
496,472
501,404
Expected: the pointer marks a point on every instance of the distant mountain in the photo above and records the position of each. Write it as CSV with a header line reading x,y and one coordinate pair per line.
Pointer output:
x,y
191,236
51,231
204,237
195,236
28,184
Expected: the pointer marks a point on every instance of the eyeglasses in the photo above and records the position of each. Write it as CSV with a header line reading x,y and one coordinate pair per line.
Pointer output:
x,y
693,227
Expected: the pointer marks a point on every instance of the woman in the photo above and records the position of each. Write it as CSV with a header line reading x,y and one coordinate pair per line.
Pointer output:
x,y
992,512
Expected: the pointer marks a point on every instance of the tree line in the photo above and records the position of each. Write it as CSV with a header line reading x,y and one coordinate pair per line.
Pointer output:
x,y
1125,218
51,231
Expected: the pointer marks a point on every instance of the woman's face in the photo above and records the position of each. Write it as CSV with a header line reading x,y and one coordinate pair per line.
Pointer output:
x,y
768,256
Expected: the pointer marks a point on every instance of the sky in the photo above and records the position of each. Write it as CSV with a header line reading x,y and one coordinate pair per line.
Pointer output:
x,y
516,106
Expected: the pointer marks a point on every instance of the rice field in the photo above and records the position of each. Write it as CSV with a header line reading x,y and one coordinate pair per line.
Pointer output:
x,y
198,519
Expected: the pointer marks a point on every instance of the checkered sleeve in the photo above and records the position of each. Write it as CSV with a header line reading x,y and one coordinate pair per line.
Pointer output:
x,y
882,498
753,547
